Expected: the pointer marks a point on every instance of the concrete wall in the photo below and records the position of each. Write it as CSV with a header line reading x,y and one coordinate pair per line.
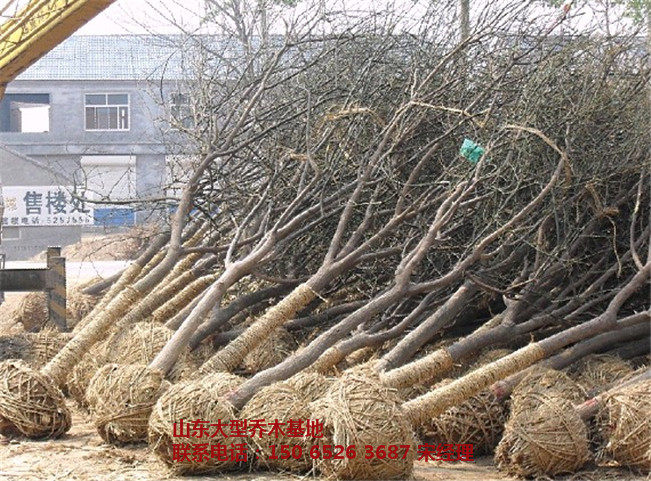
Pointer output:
x,y
58,152
67,135
20,242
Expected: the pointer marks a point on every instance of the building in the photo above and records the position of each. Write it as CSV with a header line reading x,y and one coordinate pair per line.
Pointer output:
x,y
83,124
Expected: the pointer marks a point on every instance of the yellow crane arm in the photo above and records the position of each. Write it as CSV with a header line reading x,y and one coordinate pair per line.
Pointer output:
x,y
37,29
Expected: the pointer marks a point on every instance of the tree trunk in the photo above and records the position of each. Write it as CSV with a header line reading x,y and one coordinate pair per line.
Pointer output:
x,y
182,298
437,401
230,356
417,338
502,389
223,315
129,274
98,287
59,367
311,353
590,408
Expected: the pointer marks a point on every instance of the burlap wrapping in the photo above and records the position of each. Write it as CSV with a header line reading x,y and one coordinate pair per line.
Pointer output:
x,y
439,400
478,421
420,371
283,402
120,399
276,348
625,421
596,371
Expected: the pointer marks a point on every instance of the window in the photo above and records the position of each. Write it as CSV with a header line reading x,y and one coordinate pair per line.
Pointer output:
x,y
25,113
107,111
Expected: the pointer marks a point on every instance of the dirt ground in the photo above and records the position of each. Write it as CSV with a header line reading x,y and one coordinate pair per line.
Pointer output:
x,y
82,455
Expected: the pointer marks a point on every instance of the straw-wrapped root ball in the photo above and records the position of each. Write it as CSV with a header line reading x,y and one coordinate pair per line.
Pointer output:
x,y
545,438
626,424
544,380
598,370
141,343
196,400
30,404
310,385
45,345
282,402
121,397
32,312
478,421
358,410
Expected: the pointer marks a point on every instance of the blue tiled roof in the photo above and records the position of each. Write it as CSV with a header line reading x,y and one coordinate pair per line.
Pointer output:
x,y
110,57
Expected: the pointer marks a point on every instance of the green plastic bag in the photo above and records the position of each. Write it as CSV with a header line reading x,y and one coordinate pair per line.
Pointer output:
x,y
471,151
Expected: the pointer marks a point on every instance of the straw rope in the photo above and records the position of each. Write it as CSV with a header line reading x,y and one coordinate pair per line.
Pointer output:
x,y
182,298
419,371
232,355
438,400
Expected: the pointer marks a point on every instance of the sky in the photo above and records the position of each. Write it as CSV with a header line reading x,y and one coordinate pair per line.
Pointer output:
x,y
141,16
147,16
128,16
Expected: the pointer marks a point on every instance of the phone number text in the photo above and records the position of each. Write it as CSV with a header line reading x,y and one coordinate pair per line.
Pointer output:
x,y
240,452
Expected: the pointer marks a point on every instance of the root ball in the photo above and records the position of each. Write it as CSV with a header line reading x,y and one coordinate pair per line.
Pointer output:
x,y
275,349
140,343
626,423
121,397
30,404
310,385
45,345
599,370
280,401
359,410
547,438
32,312
478,421
543,380
199,399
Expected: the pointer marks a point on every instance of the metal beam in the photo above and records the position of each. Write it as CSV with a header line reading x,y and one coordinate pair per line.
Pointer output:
x,y
38,28
16,280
